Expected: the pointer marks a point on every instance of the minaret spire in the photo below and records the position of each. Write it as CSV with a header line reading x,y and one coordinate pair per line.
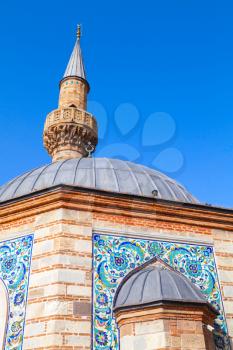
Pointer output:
x,y
75,65
70,130
79,32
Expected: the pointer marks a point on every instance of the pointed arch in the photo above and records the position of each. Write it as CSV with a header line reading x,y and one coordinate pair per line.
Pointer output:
x,y
3,313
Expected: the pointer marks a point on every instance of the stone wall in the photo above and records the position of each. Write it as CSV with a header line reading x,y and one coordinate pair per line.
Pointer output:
x,y
59,300
221,240
60,288
59,305
181,332
223,245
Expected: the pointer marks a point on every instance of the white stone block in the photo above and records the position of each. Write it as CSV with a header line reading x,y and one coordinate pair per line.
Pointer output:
x,y
78,340
83,246
72,276
228,306
223,247
226,276
67,326
33,329
127,343
58,275
80,291
43,247
54,289
77,230
140,343
48,308
43,341
224,261
49,230
228,292
230,326
149,327
48,217
157,341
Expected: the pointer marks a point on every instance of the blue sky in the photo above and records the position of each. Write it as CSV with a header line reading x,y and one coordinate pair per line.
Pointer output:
x,y
161,76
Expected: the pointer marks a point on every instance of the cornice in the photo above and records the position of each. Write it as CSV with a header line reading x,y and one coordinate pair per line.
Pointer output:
x,y
100,202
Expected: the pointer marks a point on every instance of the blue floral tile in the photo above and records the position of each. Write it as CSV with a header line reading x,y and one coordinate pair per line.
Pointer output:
x,y
15,261
115,257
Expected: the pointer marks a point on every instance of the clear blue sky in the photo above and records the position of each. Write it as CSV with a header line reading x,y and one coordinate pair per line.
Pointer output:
x,y
168,56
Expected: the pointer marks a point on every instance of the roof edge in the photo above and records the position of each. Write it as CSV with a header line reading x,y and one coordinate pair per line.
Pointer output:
x,y
168,303
76,198
169,202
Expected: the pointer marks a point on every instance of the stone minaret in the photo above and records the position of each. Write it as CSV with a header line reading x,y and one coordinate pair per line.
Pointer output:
x,y
70,131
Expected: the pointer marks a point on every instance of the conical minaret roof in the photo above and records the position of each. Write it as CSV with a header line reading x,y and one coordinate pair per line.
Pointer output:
x,y
75,66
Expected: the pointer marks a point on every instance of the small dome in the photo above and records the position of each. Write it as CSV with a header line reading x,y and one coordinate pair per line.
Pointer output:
x,y
156,284
111,175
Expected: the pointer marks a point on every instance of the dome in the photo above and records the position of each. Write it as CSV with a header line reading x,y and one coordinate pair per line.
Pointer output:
x,y
111,175
157,284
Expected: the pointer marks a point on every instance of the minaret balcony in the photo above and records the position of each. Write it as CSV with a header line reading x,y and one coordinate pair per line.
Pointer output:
x,y
71,115
69,133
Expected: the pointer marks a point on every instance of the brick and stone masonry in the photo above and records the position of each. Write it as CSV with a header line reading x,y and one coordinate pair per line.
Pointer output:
x,y
161,328
63,220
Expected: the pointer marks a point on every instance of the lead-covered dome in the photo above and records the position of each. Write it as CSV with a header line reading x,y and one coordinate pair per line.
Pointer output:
x,y
110,175
157,284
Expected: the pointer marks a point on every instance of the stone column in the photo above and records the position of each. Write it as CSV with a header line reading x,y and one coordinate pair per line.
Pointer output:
x,y
159,328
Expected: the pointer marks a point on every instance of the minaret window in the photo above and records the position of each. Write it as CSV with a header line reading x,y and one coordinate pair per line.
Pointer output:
x,y
3,313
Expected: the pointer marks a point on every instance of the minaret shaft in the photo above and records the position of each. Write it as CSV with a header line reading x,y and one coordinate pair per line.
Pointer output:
x,y
73,92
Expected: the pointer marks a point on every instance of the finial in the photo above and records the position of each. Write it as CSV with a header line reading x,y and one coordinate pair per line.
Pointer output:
x,y
79,31
89,149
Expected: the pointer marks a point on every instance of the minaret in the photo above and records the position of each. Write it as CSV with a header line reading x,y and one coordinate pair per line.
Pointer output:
x,y
70,131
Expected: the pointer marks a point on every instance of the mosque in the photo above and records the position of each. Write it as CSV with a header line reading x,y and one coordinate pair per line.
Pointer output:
x,y
106,254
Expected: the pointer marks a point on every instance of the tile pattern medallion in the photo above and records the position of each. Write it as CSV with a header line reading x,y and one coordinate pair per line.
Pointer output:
x,y
15,261
115,257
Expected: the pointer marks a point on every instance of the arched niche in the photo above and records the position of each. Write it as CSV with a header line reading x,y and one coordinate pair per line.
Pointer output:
x,y
3,314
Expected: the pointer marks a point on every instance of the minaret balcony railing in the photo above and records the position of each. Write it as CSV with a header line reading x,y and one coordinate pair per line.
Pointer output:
x,y
71,115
